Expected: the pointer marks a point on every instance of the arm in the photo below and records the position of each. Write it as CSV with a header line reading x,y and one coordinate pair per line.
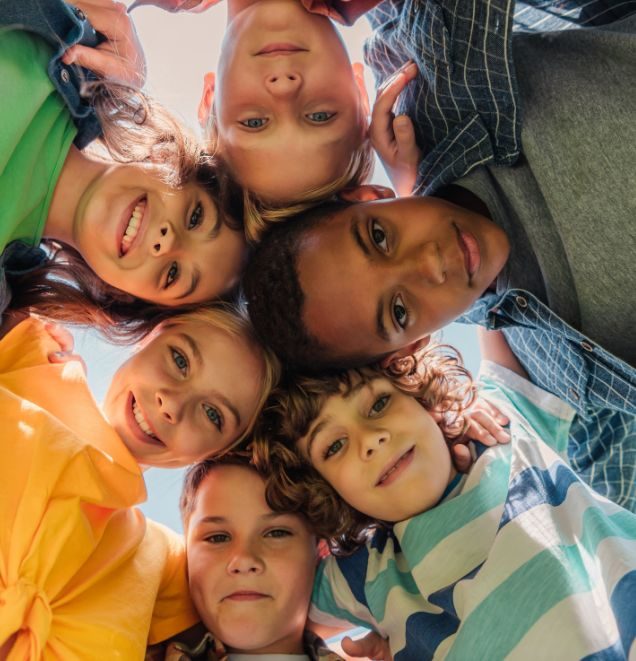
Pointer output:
x,y
494,347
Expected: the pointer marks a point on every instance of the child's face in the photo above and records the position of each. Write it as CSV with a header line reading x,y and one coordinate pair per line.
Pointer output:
x,y
251,570
188,393
158,243
380,275
288,104
380,450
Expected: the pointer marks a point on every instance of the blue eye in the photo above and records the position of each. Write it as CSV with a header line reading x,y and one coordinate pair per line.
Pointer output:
x,y
400,312
320,117
378,236
213,416
173,274
254,122
197,217
179,360
380,404
334,448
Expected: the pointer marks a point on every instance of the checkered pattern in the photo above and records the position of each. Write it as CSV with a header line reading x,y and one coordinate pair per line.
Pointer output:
x,y
464,101
600,387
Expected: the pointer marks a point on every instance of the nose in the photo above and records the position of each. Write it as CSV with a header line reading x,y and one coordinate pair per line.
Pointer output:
x,y
245,559
163,241
371,440
425,263
284,84
170,407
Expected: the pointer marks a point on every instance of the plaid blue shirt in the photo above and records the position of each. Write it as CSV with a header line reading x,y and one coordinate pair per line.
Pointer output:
x,y
599,386
464,103
465,110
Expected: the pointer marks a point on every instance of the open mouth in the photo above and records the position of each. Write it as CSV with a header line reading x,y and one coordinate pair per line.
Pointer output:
x,y
396,468
281,49
470,250
132,225
143,425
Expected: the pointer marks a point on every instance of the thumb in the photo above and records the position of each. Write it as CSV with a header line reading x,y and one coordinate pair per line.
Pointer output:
x,y
404,134
371,646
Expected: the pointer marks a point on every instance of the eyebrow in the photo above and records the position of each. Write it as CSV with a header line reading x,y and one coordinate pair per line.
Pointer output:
x,y
223,519
380,328
196,276
194,348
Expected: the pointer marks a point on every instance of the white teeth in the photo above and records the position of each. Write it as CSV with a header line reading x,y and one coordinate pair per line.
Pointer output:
x,y
141,421
133,225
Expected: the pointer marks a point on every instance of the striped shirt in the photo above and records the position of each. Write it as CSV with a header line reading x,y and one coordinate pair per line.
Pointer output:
x,y
520,560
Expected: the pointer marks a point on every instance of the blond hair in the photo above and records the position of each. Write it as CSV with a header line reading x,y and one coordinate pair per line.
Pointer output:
x,y
259,214
233,320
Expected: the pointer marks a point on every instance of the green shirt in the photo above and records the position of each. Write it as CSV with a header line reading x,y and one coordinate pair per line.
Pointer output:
x,y
36,133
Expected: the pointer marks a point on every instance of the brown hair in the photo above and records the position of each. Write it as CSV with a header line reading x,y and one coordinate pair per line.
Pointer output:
x,y
135,130
435,376
198,472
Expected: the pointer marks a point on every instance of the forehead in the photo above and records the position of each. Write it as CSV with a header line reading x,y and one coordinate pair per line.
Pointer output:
x,y
341,288
281,165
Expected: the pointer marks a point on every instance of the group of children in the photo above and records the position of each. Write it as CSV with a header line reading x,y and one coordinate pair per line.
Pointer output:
x,y
515,556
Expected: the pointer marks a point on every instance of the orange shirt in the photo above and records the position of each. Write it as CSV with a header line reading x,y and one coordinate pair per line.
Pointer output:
x,y
83,575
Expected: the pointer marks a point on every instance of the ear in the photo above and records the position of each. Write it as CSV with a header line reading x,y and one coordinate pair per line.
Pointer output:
x,y
207,99
408,350
366,193
358,74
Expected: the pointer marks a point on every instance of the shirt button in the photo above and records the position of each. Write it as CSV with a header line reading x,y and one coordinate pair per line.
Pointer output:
x,y
521,302
574,394
65,76
587,346
79,13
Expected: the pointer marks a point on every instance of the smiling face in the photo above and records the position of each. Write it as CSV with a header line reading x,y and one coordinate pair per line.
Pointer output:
x,y
380,275
286,92
250,570
190,392
161,244
380,450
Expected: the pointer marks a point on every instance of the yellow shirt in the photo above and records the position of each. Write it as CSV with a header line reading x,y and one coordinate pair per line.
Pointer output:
x,y
83,575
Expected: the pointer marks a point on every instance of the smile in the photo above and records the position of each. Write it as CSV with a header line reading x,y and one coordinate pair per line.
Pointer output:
x,y
470,250
132,226
142,424
396,469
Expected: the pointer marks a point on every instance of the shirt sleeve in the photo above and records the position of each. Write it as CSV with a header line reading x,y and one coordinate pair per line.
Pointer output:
x,y
173,611
549,416
333,601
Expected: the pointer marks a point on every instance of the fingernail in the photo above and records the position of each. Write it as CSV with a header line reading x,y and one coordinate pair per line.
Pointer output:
x,y
60,354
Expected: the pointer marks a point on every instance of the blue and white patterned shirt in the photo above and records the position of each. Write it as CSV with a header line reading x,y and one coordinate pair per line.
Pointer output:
x,y
465,109
519,560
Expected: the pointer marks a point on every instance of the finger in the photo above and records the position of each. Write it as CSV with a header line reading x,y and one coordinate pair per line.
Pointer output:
x,y
106,17
61,335
66,357
391,89
371,646
405,137
491,409
104,63
461,457
483,428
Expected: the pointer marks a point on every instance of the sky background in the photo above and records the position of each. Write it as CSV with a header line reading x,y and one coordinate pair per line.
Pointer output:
x,y
180,49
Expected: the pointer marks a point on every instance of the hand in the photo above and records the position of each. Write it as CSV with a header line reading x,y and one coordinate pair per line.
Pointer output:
x,y
371,646
484,423
176,5
393,138
119,58
66,342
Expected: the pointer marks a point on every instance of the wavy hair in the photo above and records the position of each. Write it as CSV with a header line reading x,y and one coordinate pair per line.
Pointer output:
x,y
435,376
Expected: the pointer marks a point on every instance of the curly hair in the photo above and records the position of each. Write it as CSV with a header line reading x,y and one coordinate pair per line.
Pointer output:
x,y
435,376
135,130
275,298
